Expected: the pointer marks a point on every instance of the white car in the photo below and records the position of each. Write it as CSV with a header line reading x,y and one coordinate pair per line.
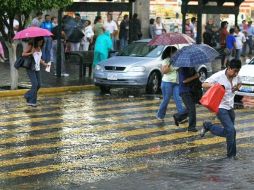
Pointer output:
x,y
247,76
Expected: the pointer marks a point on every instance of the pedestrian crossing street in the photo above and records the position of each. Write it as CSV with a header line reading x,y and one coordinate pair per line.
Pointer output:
x,y
94,137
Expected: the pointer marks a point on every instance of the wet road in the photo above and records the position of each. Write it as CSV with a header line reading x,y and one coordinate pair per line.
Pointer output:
x,y
90,141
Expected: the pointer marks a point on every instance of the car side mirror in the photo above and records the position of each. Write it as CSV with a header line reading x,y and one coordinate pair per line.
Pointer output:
x,y
247,61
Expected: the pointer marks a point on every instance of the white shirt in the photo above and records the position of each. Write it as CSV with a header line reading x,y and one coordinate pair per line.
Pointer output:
x,y
88,33
158,29
240,39
15,24
37,58
221,78
110,26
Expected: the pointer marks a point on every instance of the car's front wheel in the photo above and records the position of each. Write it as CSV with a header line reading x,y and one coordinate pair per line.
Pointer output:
x,y
153,83
104,89
202,74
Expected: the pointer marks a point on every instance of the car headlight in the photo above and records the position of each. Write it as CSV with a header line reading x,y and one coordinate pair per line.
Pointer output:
x,y
98,68
136,69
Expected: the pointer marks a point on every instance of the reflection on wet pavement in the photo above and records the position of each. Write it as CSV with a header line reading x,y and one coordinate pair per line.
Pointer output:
x,y
90,141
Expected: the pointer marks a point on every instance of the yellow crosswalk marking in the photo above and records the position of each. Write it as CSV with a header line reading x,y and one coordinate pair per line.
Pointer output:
x,y
76,131
115,146
131,155
81,107
65,116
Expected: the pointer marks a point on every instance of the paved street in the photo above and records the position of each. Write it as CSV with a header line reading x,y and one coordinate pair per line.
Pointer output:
x,y
86,140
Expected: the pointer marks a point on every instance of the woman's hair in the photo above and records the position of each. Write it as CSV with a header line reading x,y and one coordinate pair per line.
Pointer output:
x,y
151,21
36,42
97,18
168,52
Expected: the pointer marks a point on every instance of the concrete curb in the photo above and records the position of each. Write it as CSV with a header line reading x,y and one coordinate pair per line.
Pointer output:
x,y
8,93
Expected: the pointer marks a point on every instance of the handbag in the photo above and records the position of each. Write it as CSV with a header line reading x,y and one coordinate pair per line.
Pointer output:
x,y
28,62
212,98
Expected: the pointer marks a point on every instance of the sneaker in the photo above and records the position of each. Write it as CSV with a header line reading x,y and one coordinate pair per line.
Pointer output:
x,y
205,128
175,120
192,130
65,75
160,119
32,104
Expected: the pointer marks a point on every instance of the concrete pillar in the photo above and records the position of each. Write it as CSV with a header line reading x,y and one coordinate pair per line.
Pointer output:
x,y
142,8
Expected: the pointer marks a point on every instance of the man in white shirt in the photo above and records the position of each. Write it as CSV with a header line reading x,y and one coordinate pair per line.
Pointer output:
x,y
231,81
240,40
111,26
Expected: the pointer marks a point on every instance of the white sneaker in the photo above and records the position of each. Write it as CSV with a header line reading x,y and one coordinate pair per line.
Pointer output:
x,y
65,75
160,119
31,104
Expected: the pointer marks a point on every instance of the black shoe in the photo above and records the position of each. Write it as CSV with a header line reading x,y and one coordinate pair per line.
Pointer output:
x,y
205,128
183,121
176,121
192,130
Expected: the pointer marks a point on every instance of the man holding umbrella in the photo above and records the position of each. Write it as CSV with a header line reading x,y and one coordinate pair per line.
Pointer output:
x,y
189,85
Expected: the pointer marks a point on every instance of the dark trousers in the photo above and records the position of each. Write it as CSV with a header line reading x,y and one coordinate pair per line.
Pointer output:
x,y
227,119
190,105
35,79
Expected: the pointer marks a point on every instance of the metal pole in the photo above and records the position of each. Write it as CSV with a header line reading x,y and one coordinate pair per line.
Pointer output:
x,y
183,22
236,20
199,29
59,45
130,20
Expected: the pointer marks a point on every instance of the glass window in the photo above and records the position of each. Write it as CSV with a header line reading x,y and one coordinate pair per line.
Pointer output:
x,y
141,49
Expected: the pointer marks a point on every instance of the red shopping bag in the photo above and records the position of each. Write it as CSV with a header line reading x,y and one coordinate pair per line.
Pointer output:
x,y
212,98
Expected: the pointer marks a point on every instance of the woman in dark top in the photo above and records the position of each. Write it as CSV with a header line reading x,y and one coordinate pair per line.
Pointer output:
x,y
186,76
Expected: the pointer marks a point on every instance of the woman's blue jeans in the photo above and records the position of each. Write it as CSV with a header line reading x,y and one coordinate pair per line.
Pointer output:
x,y
170,89
35,79
227,119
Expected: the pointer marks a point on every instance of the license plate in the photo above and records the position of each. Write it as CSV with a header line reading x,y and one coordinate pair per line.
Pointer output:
x,y
112,76
246,88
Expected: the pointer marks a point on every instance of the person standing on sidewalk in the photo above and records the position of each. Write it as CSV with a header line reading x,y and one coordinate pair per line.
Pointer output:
x,y
231,81
34,48
240,40
124,32
169,85
47,24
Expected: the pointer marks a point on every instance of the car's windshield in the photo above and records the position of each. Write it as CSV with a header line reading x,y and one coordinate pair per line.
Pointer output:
x,y
141,49
251,62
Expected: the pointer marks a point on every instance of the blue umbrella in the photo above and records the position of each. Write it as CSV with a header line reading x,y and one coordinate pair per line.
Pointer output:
x,y
193,55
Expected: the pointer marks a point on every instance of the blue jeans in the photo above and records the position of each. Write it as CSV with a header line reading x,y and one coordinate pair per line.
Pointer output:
x,y
227,119
46,50
35,79
190,105
123,43
238,53
169,89
249,43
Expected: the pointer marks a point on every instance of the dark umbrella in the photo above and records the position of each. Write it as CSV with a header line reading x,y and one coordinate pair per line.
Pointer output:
x,y
193,55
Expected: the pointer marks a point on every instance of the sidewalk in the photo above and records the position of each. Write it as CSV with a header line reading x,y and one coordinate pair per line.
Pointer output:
x,y
48,79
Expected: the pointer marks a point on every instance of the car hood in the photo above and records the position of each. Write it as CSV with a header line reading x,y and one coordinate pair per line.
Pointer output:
x,y
247,70
124,61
